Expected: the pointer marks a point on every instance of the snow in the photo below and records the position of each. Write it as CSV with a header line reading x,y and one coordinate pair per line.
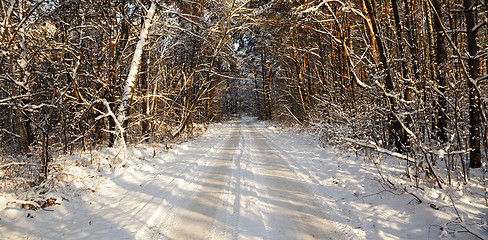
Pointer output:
x,y
244,180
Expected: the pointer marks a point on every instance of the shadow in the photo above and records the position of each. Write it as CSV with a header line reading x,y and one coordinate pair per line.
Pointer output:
x,y
289,203
237,186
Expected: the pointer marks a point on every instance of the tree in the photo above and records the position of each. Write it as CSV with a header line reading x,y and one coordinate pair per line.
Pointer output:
x,y
396,131
474,98
440,58
134,67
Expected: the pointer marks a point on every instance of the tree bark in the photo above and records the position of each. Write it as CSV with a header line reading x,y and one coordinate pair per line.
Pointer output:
x,y
143,79
22,133
407,91
263,73
369,28
134,68
396,130
256,89
474,100
440,58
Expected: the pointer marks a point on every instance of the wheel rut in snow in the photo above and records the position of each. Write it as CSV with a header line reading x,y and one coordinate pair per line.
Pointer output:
x,y
245,189
195,221
288,210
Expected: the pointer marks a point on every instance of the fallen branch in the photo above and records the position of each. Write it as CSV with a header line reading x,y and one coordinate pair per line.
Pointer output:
x,y
18,164
29,205
379,149
293,115
462,220
418,199
35,204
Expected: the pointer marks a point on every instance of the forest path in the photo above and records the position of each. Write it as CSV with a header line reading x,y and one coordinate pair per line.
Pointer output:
x,y
238,181
244,190
242,179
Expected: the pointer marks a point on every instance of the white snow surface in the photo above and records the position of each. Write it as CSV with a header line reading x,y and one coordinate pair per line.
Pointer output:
x,y
244,179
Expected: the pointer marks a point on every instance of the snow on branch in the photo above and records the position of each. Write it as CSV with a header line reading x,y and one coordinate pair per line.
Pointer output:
x,y
120,128
9,99
379,149
27,204
18,164
480,25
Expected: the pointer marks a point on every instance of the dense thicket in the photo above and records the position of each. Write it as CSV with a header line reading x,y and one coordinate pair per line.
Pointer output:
x,y
65,82
407,78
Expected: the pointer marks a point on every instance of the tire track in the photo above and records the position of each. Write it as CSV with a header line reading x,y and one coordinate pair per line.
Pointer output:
x,y
305,177
156,225
289,211
195,218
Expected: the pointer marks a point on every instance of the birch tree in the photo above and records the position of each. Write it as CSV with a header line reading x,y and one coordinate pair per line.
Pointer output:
x,y
134,66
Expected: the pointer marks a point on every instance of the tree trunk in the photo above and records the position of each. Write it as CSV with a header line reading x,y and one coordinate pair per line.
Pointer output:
x,y
407,91
256,89
440,58
474,100
22,132
134,68
369,29
263,68
143,79
396,130
112,81
268,89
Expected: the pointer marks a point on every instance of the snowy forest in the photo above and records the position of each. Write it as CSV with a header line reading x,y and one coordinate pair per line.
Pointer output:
x,y
406,79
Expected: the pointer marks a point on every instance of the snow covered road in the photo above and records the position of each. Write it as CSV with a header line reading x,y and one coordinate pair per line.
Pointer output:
x,y
233,183
241,180
244,190
286,205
